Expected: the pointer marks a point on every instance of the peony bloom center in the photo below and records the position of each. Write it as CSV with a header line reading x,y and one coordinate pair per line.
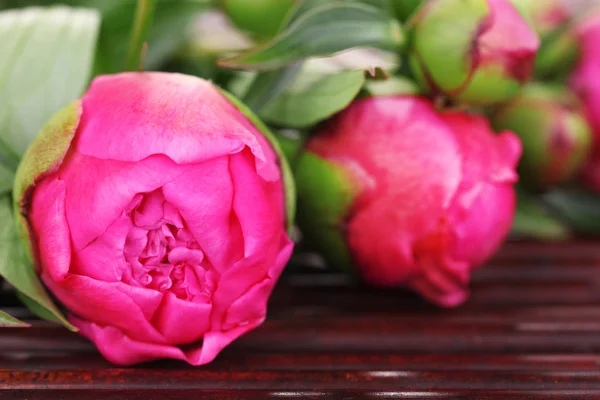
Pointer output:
x,y
161,252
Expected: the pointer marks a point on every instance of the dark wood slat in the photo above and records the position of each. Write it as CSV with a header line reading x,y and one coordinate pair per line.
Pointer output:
x,y
207,379
531,330
583,251
231,360
137,394
378,333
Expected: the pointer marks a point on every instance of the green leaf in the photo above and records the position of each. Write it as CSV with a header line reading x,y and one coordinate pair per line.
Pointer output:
x,y
144,15
36,309
323,31
383,5
534,220
577,207
45,62
302,95
16,267
165,37
267,85
8,321
404,9
288,178
303,7
313,97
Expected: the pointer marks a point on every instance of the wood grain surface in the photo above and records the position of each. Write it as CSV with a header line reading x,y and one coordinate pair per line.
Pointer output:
x,y
531,330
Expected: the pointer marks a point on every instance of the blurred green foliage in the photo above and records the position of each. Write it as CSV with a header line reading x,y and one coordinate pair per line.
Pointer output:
x,y
165,39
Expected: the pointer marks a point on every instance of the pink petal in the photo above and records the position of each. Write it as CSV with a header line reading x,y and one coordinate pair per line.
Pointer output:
x,y
181,254
103,259
427,288
106,303
244,313
488,222
258,204
204,197
214,342
484,206
131,116
119,348
414,147
150,211
48,215
100,190
247,273
509,40
182,321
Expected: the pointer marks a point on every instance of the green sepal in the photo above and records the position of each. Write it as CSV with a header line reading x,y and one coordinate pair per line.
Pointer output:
x,y
288,178
44,156
325,195
47,151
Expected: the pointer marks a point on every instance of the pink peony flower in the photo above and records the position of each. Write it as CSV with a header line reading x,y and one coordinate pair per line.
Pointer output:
x,y
586,82
162,229
425,198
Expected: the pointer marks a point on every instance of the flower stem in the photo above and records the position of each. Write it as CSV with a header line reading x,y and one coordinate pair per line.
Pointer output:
x,y
142,21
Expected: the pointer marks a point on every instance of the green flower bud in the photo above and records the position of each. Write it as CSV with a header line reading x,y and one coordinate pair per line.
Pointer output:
x,y
552,19
558,54
546,15
473,51
556,137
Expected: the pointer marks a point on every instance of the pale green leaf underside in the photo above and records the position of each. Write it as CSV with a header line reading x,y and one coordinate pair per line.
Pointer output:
x,y
312,98
320,88
45,62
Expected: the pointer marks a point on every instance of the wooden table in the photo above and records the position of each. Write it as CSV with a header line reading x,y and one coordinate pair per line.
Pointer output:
x,y
531,330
